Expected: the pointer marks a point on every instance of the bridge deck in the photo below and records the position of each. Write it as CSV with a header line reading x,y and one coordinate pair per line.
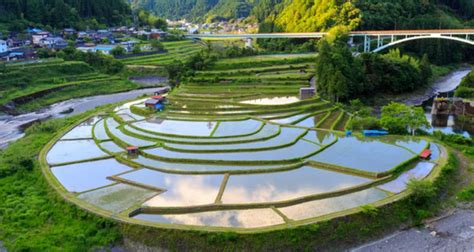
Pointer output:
x,y
321,34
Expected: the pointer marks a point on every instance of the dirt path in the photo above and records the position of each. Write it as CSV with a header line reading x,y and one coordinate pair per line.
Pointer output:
x,y
452,231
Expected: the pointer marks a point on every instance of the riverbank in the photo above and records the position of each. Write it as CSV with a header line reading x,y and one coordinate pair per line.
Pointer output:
x,y
12,127
443,84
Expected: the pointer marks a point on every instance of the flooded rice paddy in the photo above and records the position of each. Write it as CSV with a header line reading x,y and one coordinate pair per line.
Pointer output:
x,y
247,173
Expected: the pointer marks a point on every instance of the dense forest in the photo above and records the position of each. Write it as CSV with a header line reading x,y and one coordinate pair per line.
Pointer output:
x,y
201,10
313,15
64,13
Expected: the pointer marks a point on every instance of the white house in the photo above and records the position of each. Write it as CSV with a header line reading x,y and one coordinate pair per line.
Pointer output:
x,y
37,37
52,42
3,46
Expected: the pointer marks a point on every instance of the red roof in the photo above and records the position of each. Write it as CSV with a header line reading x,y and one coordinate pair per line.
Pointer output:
x,y
132,148
157,97
425,154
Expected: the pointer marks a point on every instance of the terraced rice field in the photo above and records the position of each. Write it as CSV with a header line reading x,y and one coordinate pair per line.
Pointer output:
x,y
246,163
179,50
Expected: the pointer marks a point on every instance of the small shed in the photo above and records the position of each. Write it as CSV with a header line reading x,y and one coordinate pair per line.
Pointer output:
x,y
425,154
132,150
154,104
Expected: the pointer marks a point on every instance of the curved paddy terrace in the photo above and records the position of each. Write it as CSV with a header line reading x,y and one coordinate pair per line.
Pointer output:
x,y
273,163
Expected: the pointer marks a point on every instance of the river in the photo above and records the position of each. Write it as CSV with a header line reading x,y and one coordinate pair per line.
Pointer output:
x,y
12,127
445,87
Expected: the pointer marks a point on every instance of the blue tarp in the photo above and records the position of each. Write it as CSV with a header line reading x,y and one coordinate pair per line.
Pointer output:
x,y
159,106
375,132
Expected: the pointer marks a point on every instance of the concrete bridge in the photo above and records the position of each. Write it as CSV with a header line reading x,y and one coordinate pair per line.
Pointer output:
x,y
373,41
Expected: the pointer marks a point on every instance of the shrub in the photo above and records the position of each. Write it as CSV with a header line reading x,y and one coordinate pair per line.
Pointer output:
x,y
422,192
467,194
361,123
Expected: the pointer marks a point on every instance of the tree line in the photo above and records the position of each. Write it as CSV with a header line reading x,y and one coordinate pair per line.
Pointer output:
x,y
64,13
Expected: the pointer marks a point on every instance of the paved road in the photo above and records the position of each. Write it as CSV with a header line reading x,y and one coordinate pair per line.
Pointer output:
x,y
453,233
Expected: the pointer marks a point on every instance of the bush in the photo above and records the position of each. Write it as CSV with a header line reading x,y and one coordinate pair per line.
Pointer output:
x,y
467,194
465,92
453,138
422,192
363,123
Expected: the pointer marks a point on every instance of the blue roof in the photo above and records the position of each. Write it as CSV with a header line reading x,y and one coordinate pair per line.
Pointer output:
x,y
33,30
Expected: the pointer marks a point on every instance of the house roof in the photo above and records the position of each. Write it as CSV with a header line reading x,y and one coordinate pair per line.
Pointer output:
x,y
152,101
157,97
425,154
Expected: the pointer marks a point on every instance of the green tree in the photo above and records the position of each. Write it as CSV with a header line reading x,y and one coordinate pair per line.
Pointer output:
x,y
156,45
399,118
3,67
338,73
318,15
118,51
136,49
425,68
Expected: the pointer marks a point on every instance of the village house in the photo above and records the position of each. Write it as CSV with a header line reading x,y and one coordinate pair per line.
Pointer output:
x,y
53,43
68,32
37,37
3,46
18,54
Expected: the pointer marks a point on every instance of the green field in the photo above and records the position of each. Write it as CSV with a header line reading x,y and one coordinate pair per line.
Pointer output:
x,y
179,50
33,85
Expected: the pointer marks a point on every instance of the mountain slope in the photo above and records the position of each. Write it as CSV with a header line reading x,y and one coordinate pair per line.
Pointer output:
x,y
64,13
176,9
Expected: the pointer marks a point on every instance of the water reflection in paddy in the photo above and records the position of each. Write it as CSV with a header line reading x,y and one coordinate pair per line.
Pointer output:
x,y
128,116
273,100
99,131
311,121
298,150
435,152
117,198
111,146
320,137
187,128
416,146
198,167
326,206
181,190
83,130
363,154
71,151
252,218
237,128
420,171
279,186
130,140
287,136
289,120
89,175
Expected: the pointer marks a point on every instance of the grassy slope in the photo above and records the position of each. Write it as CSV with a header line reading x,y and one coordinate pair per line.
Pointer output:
x,y
77,79
33,216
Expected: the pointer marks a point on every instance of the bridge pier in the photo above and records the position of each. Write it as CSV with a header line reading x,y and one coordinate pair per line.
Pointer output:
x,y
248,43
366,43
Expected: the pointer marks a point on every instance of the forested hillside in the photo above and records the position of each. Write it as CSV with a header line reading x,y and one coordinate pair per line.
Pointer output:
x,y
175,9
64,13
315,15
197,10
